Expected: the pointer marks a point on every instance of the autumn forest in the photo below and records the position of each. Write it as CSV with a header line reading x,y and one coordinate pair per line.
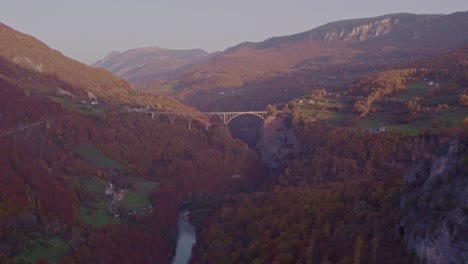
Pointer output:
x,y
361,158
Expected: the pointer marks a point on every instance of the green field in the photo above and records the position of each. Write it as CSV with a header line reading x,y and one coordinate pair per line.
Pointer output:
x,y
453,116
98,215
319,114
375,119
139,197
135,199
84,108
440,99
50,250
433,121
414,89
96,212
91,153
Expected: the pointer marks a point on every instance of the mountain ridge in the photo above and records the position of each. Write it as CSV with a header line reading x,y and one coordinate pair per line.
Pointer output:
x,y
149,62
30,53
31,65
350,47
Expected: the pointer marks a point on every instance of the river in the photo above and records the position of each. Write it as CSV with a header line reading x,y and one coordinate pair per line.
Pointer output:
x,y
186,238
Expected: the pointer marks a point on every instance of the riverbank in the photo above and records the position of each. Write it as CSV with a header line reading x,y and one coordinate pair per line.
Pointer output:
x,y
186,238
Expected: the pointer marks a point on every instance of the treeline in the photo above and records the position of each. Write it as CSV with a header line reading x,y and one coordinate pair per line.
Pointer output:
x,y
449,69
198,162
352,222
337,202
375,87
342,154
40,191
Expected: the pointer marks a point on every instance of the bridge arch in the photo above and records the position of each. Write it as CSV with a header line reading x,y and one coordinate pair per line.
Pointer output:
x,y
226,117
260,115
212,116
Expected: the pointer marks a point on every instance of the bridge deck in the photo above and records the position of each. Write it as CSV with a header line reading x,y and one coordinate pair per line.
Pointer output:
x,y
226,117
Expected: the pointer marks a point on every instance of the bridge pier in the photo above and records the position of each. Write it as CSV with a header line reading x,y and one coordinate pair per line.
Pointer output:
x,y
171,118
189,119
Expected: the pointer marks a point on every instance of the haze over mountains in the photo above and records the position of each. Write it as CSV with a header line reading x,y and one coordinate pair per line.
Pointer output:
x,y
360,156
30,62
37,69
150,62
329,54
63,127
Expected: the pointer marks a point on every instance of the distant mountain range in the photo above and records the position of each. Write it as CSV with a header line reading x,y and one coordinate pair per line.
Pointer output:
x,y
30,65
66,133
150,62
282,68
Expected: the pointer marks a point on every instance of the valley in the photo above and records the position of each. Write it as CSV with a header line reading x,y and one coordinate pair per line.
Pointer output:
x,y
347,143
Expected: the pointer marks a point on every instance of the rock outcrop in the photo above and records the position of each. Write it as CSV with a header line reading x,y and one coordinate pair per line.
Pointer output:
x,y
278,143
435,206
363,32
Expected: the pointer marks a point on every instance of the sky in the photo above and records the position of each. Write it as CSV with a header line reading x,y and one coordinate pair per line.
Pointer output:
x,y
87,30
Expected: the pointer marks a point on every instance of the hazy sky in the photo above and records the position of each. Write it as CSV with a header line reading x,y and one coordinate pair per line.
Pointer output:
x,y
87,30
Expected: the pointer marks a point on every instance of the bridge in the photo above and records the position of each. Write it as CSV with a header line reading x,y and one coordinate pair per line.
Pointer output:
x,y
225,117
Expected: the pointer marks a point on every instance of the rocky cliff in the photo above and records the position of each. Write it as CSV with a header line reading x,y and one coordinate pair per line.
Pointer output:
x,y
278,141
362,32
435,204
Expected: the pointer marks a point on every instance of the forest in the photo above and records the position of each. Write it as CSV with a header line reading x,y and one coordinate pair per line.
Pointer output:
x,y
87,177
45,171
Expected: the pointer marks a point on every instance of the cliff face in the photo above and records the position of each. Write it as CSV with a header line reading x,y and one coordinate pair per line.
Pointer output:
x,y
435,206
278,142
363,32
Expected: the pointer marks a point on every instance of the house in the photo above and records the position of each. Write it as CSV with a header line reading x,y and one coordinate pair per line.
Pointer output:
x,y
381,128
110,189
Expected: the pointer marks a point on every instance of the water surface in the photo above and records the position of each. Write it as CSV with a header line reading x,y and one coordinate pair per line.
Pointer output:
x,y
185,240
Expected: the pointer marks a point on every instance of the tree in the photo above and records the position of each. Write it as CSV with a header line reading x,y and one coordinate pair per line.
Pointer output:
x,y
358,246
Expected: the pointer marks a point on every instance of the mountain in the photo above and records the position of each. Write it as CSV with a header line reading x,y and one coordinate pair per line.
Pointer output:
x,y
425,96
149,62
35,68
351,192
24,54
64,160
251,75
85,184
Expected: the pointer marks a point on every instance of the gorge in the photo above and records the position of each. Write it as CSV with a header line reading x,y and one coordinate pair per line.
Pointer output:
x,y
357,153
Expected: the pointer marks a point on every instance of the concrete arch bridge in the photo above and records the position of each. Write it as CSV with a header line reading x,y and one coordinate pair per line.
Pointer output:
x,y
225,117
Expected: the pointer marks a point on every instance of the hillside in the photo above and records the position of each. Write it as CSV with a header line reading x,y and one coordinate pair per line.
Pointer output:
x,y
83,181
31,54
367,162
37,69
352,190
425,96
57,163
342,199
280,69
150,62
